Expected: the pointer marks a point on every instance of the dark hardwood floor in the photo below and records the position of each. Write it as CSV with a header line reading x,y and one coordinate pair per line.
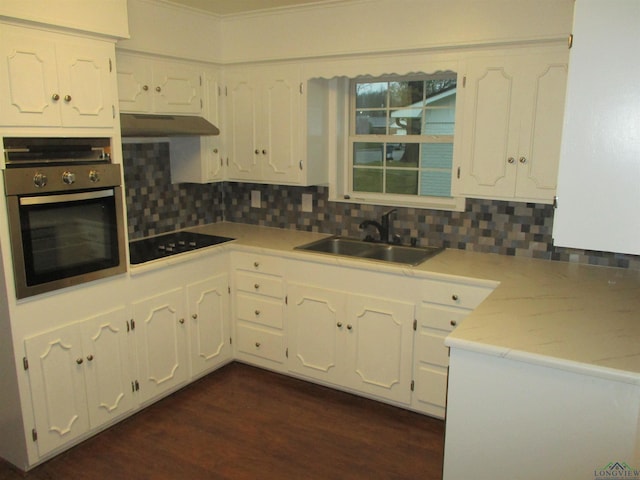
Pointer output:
x,y
246,423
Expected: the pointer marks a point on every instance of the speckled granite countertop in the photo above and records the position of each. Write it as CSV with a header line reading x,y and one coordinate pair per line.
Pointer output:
x,y
575,317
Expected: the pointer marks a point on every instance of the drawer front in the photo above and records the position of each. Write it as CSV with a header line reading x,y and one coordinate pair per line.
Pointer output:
x,y
260,284
260,343
455,295
258,263
431,386
440,317
257,309
430,347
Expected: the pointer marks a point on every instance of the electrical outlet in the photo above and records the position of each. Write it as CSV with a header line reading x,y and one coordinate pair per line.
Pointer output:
x,y
307,202
255,198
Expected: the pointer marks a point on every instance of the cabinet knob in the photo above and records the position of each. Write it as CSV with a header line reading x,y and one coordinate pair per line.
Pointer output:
x,y
257,152
349,327
257,286
257,344
256,264
215,150
453,323
339,324
181,321
158,89
89,357
257,312
523,160
79,361
55,97
511,160
145,87
67,98
264,152
454,297
194,316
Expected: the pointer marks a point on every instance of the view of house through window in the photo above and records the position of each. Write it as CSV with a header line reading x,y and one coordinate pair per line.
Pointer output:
x,y
402,135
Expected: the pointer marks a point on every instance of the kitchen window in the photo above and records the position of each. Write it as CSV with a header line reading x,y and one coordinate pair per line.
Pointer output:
x,y
401,141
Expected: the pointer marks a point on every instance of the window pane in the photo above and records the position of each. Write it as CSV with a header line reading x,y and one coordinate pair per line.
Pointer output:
x,y
402,155
439,118
371,95
435,183
404,94
436,155
371,122
369,154
402,181
406,121
367,180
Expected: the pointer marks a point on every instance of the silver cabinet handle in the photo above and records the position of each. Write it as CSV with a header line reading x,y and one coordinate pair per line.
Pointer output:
x,y
523,160
511,160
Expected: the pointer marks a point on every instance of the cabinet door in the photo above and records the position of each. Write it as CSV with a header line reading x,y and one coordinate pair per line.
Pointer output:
x,y
134,84
244,155
280,125
29,79
176,88
58,390
84,73
541,126
489,137
213,166
316,332
380,338
160,332
209,316
107,366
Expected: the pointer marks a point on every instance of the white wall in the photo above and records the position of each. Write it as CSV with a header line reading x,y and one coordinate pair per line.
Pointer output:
x,y
388,25
163,29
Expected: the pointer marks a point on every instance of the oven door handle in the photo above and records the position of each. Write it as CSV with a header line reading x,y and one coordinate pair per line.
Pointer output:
x,y
66,197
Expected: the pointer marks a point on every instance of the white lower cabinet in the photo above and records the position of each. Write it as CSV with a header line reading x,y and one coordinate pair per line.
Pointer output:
x,y
259,310
359,342
161,343
210,322
80,378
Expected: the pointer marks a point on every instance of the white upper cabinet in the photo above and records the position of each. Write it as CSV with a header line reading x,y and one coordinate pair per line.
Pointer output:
x,y
264,125
148,85
200,159
512,126
52,80
263,120
600,158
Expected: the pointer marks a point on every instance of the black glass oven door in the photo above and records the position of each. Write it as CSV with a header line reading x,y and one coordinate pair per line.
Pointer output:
x,y
69,235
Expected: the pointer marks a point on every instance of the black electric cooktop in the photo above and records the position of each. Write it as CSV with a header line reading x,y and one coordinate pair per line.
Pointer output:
x,y
147,249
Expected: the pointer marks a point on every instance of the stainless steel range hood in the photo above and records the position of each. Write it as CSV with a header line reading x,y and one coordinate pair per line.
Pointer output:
x,y
145,125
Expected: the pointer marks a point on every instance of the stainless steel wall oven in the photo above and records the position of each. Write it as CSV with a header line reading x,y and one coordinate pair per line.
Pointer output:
x,y
66,217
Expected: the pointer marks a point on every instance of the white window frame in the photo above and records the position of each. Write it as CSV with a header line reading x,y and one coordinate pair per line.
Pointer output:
x,y
341,188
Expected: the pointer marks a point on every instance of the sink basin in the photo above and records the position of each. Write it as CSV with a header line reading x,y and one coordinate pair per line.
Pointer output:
x,y
352,247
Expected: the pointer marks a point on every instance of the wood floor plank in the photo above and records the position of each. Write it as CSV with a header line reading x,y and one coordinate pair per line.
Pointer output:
x,y
242,422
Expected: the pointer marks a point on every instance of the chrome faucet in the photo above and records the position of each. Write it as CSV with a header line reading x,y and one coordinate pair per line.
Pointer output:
x,y
384,227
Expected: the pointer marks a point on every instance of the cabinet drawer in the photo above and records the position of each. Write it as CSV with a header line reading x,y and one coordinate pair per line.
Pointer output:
x,y
260,343
440,317
455,295
257,309
269,285
431,386
258,263
430,347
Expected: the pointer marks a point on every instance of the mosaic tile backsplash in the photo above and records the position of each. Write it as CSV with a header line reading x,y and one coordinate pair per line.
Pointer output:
x,y
509,228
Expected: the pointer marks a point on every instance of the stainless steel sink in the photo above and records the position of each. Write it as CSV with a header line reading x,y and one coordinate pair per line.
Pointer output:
x,y
352,247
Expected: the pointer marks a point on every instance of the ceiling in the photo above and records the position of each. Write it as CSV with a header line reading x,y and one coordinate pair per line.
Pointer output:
x,y
230,7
